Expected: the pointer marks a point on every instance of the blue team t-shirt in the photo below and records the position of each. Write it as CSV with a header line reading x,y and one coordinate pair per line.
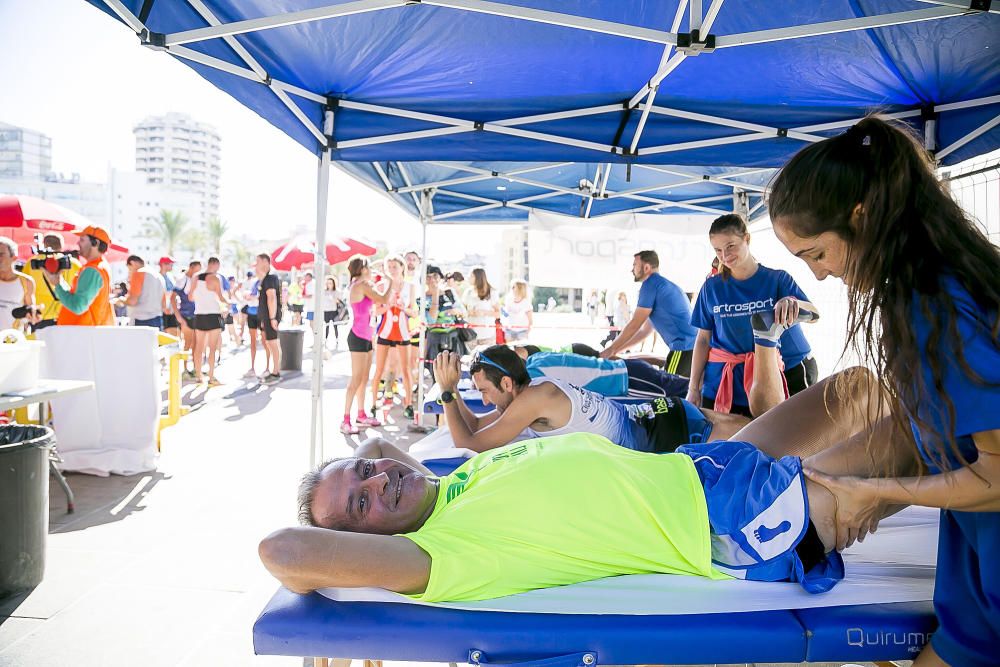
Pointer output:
x,y
967,584
724,307
671,311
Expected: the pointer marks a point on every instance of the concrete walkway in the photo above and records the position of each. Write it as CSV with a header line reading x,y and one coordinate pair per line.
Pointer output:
x,y
161,568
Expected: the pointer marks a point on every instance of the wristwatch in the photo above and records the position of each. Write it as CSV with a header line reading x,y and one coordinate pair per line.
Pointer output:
x,y
447,397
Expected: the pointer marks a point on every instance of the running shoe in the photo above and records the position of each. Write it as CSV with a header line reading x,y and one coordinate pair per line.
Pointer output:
x,y
271,378
368,421
347,428
212,382
387,400
250,374
766,331
408,412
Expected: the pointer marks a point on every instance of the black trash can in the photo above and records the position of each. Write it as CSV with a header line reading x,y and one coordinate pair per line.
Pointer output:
x,y
24,505
291,342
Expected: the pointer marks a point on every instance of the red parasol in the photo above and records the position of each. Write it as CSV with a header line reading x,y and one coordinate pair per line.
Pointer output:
x,y
22,218
301,250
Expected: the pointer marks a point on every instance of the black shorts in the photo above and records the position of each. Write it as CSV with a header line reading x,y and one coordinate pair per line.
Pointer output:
x,y
170,321
802,375
329,316
208,322
245,310
268,331
296,307
253,322
678,362
709,404
189,321
356,343
392,343
665,424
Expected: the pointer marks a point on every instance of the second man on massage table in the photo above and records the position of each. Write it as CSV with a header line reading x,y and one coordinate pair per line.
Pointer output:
x,y
527,408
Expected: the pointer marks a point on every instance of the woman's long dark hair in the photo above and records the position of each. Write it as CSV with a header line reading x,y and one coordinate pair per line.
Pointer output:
x,y
875,188
483,288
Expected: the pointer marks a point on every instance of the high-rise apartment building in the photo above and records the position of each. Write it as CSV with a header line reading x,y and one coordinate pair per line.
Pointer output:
x,y
179,153
24,154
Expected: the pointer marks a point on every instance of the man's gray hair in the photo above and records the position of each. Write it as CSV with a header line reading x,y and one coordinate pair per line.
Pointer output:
x,y
307,491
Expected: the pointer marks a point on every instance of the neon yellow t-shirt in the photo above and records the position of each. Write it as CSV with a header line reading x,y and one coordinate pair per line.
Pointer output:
x,y
555,511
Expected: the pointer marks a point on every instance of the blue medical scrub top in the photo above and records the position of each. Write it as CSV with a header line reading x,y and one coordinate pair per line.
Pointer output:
x,y
671,311
967,588
724,307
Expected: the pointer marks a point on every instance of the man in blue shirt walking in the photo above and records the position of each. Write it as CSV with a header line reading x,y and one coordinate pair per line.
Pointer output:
x,y
662,307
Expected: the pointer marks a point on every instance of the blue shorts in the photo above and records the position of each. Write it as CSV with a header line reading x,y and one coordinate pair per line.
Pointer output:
x,y
967,589
699,428
759,512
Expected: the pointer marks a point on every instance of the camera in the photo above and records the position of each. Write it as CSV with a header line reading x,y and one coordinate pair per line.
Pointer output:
x,y
21,312
53,261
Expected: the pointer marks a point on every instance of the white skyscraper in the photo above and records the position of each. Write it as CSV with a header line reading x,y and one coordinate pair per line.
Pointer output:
x,y
181,154
24,154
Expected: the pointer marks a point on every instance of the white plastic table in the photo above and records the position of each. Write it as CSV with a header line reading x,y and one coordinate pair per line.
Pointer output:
x,y
47,390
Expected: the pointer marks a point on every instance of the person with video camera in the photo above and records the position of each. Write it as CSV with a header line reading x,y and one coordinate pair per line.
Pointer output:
x,y
88,301
17,290
50,253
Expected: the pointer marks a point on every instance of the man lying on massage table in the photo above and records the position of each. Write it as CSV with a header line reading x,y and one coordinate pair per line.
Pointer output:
x,y
527,408
556,511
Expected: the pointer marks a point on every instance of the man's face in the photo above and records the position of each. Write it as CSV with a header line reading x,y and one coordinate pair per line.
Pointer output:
x,y
501,396
639,270
133,267
379,496
166,267
262,266
213,267
194,268
6,259
412,261
86,247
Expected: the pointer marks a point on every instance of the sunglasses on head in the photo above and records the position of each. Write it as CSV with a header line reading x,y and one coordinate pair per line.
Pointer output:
x,y
481,360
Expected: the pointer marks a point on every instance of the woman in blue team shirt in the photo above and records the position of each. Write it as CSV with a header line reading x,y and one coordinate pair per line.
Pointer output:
x,y
726,341
924,299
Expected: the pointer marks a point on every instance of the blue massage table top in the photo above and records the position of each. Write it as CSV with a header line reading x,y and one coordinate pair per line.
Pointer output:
x,y
315,626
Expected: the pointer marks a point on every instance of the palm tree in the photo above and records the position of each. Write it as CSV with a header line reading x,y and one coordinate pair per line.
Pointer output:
x,y
240,255
193,241
215,229
168,229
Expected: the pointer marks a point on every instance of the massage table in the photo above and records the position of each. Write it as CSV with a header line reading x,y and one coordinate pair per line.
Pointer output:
x,y
882,611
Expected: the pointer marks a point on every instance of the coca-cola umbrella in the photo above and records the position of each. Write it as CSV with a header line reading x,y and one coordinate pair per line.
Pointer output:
x,y
301,251
22,218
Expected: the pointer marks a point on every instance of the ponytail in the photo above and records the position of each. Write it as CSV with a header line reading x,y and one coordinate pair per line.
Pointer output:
x,y
875,187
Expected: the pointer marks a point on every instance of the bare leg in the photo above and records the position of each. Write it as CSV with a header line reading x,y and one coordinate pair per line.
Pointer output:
x,y
724,425
816,418
360,365
767,389
199,352
214,343
404,367
381,353
253,350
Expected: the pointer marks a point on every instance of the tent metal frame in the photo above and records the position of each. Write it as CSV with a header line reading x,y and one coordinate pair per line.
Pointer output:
x,y
677,48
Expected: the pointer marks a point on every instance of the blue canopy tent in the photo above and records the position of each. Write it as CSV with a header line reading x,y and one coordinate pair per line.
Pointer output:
x,y
647,105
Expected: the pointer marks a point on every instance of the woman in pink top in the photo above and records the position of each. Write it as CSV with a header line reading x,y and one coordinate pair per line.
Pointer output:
x,y
362,296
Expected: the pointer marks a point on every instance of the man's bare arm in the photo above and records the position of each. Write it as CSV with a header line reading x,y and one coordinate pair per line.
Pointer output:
x,y
380,448
305,558
624,339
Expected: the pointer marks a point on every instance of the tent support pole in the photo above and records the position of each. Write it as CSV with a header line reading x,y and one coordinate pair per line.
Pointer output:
x,y
426,215
319,282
